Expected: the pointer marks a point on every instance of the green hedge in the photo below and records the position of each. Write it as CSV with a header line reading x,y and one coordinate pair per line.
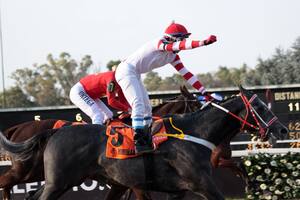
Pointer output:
x,y
273,177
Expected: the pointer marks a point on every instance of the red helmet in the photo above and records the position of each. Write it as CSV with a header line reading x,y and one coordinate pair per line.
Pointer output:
x,y
176,31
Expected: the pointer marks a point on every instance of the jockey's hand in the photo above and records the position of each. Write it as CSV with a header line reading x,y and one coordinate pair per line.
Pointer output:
x,y
211,39
212,97
208,97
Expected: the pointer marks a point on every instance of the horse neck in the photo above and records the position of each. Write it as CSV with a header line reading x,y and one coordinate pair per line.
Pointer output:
x,y
162,109
211,124
170,107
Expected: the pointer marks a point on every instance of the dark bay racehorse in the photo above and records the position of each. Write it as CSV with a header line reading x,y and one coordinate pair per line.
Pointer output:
x,y
76,153
32,169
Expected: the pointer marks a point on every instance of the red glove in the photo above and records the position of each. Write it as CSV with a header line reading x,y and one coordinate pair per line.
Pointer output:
x,y
211,39
213,97
208,97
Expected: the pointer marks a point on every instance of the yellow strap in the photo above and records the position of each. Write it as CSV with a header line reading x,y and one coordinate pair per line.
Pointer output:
x,y
179,136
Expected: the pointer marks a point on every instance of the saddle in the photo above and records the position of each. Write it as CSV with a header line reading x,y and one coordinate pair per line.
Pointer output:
x,y
62,123
120,143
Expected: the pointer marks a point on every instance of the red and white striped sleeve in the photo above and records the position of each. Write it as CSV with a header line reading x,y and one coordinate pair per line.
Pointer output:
x,y
188,76
180,45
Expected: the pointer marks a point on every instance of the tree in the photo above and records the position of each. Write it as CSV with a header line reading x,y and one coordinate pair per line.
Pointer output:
x,y
172,82
112,63
207,79
152,81
295,60
49,84
15,98
279,69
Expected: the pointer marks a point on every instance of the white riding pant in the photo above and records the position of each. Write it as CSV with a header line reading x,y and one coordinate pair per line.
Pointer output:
x,y
135,93
94,108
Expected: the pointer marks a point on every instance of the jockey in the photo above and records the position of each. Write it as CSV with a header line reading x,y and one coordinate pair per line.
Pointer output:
x,y
154,54
87,92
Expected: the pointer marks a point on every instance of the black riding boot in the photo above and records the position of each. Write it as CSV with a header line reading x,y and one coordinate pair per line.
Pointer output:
x,y
143,140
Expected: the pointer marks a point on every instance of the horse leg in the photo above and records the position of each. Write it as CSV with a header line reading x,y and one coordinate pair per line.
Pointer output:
x,y
52,191
6,195
205,188
116,192
176,196
7,181
233,166
17,173
127,194
34,195
141,194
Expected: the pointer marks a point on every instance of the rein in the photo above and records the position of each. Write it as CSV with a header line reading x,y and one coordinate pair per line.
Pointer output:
x,y
186,137
249,108
187,107
257,118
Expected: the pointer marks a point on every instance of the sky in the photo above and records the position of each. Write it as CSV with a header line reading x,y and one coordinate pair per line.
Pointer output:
x,y
111,30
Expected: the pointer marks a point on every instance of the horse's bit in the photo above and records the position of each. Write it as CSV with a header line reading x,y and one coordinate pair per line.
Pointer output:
x,y
257,118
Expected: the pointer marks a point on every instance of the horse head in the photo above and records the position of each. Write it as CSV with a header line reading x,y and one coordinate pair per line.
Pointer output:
x,y
257,113
219,123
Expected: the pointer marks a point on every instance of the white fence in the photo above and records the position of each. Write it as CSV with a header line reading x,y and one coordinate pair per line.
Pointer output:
x,y
240,153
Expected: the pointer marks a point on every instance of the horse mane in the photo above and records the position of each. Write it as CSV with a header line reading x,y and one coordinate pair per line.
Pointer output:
x,y
166,101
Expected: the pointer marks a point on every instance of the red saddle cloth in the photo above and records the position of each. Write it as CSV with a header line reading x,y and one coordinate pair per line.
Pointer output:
x,y
61,123
120,143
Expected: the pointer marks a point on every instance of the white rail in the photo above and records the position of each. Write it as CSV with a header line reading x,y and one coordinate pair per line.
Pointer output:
x,y
257,142
240,153
237,153
5,163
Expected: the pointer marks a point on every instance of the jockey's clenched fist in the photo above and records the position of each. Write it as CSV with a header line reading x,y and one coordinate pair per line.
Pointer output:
x,y
211,39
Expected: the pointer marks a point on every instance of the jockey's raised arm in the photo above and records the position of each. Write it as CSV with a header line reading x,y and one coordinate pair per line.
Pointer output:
x,y
187,75
185,44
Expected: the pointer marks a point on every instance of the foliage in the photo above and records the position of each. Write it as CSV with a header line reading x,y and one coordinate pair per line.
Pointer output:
x,y
282,68
224,77
273,176
112,63
49,84
152,81
14,97
172,82
228,77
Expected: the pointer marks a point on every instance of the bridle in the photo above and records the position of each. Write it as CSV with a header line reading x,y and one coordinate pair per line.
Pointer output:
x,y
186,100
261,125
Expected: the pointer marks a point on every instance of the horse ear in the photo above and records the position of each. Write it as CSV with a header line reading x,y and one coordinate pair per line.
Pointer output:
x,y
184,91
242,90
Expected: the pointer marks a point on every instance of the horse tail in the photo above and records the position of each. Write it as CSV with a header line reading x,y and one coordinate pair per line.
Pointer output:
x,y
24,150
9,132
